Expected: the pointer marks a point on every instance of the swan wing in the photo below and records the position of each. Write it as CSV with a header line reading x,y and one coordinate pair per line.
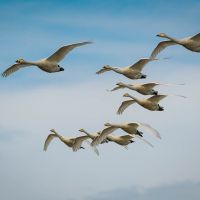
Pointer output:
x,y
78,142
140,64
157,98
124,105
161,46
49,138
64,50
145,141
152,85
103,136
196,37
13,69
151,129
94,148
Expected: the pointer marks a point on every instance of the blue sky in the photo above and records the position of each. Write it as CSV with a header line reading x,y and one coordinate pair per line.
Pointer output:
x,y
33,102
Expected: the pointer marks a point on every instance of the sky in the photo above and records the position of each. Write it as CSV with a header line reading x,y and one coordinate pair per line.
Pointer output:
x,y
33,102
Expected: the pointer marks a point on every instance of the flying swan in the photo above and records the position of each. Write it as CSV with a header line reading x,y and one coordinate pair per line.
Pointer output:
x,y
49,64
191,43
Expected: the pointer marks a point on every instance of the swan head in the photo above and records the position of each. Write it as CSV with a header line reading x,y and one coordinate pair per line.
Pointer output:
x,y
143,76
119,83
99,133
107,124
20,61
155,92
53,130
61,68
161,35
126,95
82,130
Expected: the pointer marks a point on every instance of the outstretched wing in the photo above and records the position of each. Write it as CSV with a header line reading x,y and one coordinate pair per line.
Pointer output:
x,y
78,142
49,138
157,98
63,51
151,85
141,63
161,46
196,37
13,69
94,148
124,105
145,141
103,136
151,129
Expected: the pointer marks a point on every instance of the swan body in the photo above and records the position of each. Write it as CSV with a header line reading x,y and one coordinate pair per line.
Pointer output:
x,y
132,72
191,43
49,64
74,143
123,140
150,103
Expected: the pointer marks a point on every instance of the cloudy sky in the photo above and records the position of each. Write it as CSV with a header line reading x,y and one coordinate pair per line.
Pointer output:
x,y
33,102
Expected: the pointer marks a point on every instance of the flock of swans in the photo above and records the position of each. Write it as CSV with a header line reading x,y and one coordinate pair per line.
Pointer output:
x,y
133,72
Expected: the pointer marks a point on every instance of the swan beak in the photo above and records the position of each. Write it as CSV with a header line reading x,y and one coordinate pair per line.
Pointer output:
x,y
161,108
143,76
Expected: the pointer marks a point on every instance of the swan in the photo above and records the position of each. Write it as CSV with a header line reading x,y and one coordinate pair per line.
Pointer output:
x,y
125,140
132,71
130,128
74,143
191,43
121,140
150,103
144,88
49,64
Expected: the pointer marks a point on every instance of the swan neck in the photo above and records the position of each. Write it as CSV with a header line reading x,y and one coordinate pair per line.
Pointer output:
x,y
172,39
30,63
134,98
